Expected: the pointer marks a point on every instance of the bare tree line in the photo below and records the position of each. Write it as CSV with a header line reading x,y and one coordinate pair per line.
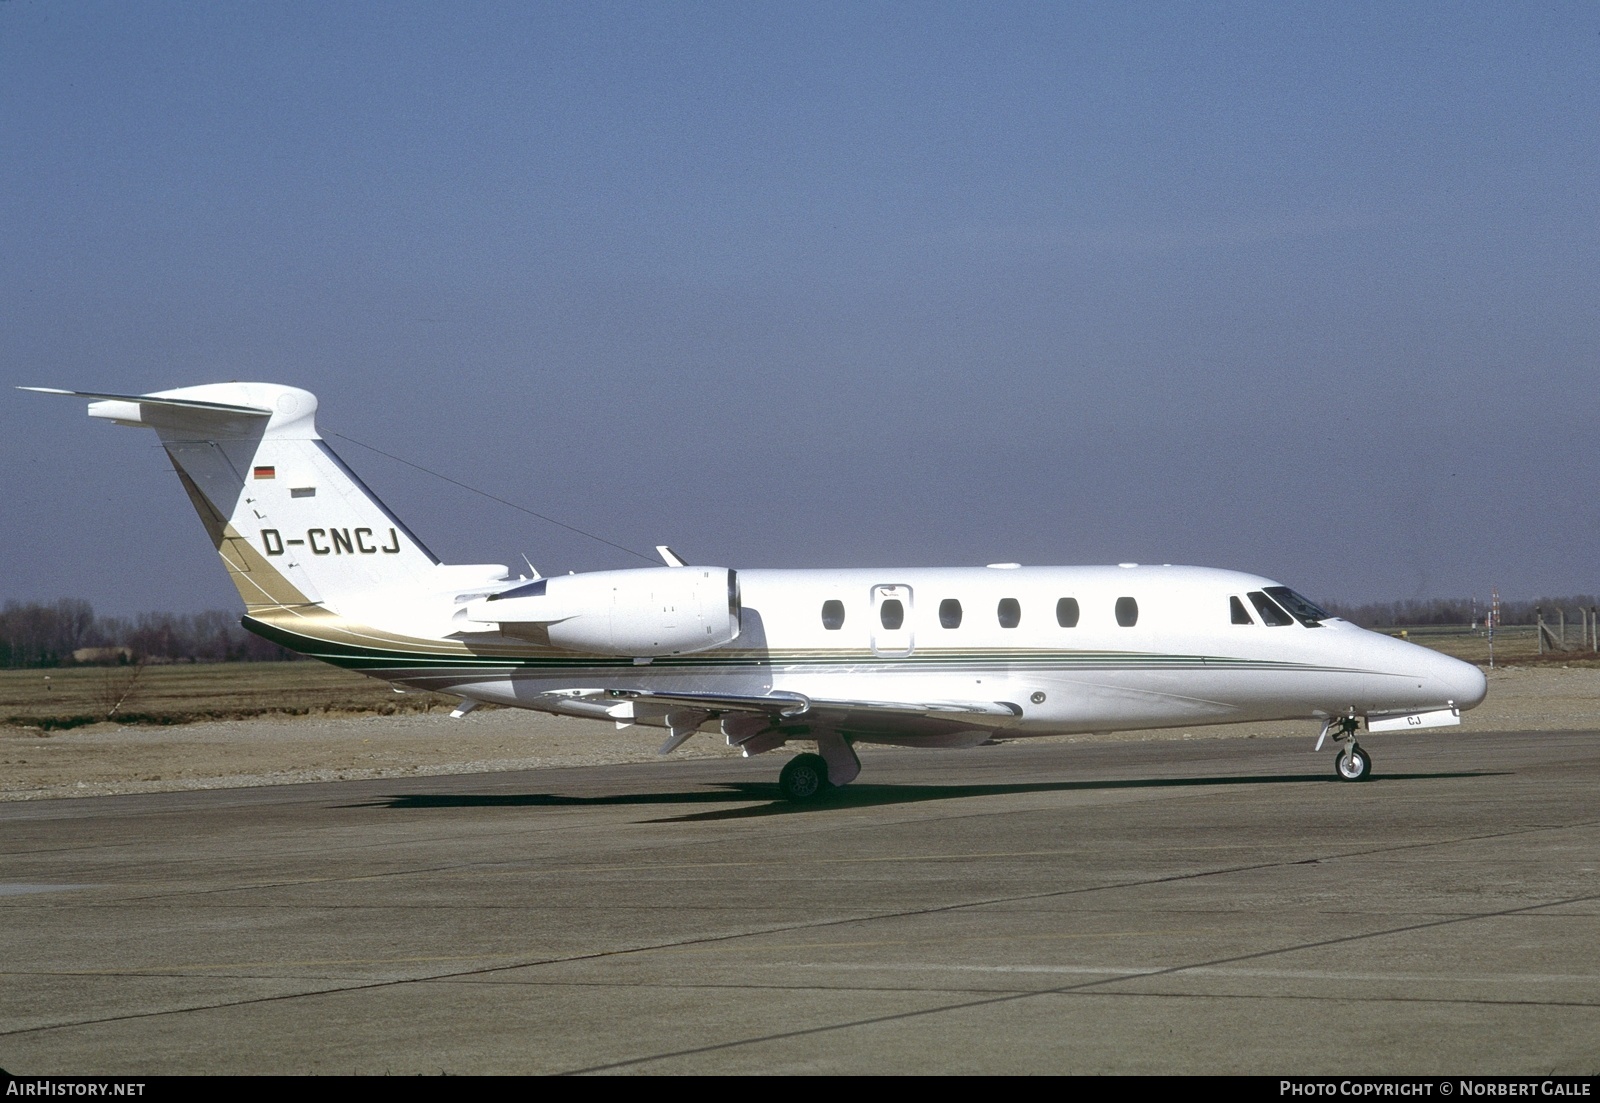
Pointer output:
x,y
35,635
1444,611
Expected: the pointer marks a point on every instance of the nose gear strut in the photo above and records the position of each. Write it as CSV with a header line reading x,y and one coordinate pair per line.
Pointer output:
x,y
1352,763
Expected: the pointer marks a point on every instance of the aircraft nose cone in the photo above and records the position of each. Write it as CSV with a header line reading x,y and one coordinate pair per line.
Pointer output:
x,y
1464,683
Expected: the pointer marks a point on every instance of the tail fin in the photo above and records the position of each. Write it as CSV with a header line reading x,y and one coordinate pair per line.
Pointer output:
x,y
294,526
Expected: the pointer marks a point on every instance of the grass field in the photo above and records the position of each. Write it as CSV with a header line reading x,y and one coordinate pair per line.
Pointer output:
x,y
70,697
1517,645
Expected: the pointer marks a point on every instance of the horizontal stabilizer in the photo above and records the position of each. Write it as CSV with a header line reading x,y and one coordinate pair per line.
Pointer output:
x,y
152,400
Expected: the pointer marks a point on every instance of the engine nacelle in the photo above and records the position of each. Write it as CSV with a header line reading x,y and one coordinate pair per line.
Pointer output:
x,y
651,611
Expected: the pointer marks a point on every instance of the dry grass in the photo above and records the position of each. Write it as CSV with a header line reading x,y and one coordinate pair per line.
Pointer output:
x,y
1516,645
71,697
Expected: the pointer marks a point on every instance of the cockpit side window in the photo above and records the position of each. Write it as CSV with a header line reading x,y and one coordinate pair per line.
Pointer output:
x,y
1240,614
1271,615
1306,612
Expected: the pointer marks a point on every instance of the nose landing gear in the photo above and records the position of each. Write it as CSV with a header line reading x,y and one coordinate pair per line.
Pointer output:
x,y
1352,763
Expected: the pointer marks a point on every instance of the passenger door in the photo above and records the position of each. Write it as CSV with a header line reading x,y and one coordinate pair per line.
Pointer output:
x,y
891,620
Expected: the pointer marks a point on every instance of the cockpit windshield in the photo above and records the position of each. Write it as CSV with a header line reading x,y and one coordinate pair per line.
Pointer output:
x,y
1303,610
1271,615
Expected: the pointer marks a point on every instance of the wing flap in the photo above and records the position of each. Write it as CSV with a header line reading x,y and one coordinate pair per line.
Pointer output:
x,y
777,705
934,710
792,706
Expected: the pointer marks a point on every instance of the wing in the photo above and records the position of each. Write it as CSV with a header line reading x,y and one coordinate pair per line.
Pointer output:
x,y
759,722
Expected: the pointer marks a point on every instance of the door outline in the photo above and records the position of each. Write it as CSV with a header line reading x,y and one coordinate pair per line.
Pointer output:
x,y
892,642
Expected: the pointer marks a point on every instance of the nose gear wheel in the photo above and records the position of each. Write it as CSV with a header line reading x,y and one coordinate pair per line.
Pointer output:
x,y
1353,763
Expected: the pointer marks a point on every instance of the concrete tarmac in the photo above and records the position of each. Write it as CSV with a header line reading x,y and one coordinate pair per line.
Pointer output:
x,y
1206,906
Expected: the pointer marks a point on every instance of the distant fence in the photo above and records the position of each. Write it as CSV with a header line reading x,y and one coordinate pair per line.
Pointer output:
x,y
1554,638
1458,612
1511,643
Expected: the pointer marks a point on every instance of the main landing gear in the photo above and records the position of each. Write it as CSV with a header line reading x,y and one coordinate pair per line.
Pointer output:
x,y
807,777
804,778
1352,763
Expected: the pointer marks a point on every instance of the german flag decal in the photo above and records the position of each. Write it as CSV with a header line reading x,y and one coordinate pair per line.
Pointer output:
x,y
266,473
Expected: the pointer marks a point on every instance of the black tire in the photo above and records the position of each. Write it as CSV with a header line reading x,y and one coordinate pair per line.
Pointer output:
x,y
1353,763
804,778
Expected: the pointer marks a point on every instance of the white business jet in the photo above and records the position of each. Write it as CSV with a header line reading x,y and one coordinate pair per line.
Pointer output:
x,y
950,657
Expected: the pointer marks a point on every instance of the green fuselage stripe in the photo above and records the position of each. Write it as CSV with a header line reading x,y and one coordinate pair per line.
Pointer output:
x,y
355,656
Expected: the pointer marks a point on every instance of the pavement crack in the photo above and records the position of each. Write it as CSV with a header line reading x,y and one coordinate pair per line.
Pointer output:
x,y
821,924
1065,989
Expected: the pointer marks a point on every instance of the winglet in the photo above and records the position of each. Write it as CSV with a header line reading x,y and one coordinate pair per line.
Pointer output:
x,y
670,557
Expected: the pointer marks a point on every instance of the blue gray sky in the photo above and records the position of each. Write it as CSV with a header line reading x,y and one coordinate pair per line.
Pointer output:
x,y
1305,289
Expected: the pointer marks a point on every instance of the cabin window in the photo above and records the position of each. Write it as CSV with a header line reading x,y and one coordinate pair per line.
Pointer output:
x,y
833,615
1271,615
1009,612
1302,610
950,613
1067,612
1127,612
892,613
1240,614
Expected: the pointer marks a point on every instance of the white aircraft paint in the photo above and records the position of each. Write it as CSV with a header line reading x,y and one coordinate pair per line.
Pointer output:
x,y
915,657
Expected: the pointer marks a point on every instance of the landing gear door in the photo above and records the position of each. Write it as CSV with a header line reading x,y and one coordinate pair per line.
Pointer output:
x,y
891,620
